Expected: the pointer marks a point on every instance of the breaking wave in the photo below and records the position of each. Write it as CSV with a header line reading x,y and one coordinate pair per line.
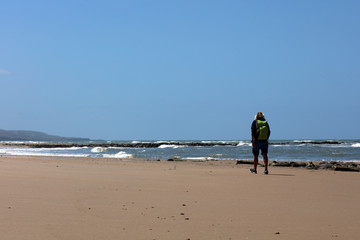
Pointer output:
x,y
120,154
99,149
171,146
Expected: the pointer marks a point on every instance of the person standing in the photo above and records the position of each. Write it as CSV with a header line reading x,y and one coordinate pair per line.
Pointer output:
x,y
260,133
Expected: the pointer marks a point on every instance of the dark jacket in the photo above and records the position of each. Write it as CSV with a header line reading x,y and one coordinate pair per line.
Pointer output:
x,y
254,130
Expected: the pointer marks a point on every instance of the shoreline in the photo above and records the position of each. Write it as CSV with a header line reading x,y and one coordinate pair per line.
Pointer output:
x,y
156,144
350,166
71,198
318,151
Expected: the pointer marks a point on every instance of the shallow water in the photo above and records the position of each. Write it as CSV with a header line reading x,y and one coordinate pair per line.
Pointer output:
x,y
289,150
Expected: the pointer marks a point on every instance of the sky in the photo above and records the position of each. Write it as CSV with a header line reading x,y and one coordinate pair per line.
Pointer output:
x,y
180,69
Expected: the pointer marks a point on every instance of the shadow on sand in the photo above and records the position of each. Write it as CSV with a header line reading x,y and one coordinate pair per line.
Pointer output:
x,y
282,175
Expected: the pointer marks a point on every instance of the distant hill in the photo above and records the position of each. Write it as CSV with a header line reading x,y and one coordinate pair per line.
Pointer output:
x,y
21,135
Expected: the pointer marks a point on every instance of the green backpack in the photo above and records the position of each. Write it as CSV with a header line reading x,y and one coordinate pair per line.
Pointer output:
x,y
262,130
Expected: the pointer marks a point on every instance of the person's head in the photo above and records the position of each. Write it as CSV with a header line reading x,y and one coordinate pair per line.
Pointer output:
x,y
259,115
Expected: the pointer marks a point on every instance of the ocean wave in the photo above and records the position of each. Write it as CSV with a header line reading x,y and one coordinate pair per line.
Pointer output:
x,y
171,146
303,141
294,150
242,143
288,145
22,142
43,154
62,148
120,154
98,149
116,148
140,142
230,142
200,158
161,141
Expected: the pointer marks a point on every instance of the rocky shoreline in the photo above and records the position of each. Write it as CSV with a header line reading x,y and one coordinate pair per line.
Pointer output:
x,y
332,165
314,165
150,144
118,145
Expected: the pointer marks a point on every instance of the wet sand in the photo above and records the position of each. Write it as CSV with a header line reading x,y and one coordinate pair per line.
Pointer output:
x,y
78,198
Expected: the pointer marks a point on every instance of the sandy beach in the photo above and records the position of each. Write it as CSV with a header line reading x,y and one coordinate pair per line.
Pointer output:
x,y
78,198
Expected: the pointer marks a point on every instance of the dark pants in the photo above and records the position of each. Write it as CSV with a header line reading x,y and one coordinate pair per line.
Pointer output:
x,y
263,146
260,145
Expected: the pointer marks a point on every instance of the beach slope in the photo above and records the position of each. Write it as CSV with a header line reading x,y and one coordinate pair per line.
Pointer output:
x,y
78,198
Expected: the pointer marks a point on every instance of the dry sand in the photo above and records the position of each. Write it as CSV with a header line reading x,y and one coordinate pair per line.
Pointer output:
x,y
75,198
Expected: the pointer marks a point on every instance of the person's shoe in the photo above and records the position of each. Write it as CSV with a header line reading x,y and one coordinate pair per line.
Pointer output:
x,y
266,171
253,171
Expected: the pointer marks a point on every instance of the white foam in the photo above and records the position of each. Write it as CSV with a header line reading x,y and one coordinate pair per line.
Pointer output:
x,y
43,154
218,142
356,145
120,154
117,147
242,143
63,148
170,146
21,142
137,142
303,141
200,158
98,149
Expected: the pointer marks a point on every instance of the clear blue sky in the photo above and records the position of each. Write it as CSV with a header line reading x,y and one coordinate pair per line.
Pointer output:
x,y
179,69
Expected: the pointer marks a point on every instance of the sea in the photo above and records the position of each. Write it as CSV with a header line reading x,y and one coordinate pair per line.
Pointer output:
x,y
279,150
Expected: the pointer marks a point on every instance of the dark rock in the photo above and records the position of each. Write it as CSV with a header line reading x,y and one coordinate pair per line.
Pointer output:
x,y
288,164
346,169
244,162
281,164
298,164
176,160
340,166
124,145
305,142
311,165
322,142
327,165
